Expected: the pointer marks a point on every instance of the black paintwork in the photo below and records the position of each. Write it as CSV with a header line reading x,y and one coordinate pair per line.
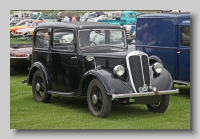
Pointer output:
x,y
66,74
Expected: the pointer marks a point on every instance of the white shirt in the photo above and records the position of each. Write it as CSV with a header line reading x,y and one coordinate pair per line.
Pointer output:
x,y
66,19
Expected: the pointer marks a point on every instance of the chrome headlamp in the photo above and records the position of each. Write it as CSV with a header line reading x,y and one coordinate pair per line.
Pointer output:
x,y
157,67
118,70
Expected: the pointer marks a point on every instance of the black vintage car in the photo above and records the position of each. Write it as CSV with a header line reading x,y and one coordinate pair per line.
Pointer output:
x,y
93,60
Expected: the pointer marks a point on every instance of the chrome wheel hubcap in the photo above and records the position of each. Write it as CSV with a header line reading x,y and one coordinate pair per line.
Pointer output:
x,y
38,87
94,99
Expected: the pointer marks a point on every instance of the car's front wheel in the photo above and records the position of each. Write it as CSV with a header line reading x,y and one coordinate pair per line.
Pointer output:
x,y
39,88
99,103
159,107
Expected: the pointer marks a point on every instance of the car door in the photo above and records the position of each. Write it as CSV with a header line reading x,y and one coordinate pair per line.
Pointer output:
x,y
183,53
65,73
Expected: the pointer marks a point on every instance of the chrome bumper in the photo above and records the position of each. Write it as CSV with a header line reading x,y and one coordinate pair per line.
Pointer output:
x,y
132,95
16,35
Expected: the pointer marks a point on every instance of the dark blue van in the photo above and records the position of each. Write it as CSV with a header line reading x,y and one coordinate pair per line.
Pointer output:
x,y
165,37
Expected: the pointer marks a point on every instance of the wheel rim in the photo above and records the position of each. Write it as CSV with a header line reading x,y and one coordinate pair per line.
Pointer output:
x,y
96,99
39,86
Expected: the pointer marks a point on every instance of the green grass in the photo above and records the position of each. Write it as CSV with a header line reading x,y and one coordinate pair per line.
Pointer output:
x,y
73,113
19,41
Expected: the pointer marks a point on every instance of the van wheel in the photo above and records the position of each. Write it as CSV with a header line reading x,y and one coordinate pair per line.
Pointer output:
x,y
159,107
99,103
39,88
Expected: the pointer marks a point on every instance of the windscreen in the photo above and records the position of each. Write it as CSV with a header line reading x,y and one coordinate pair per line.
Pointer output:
x,y
102,37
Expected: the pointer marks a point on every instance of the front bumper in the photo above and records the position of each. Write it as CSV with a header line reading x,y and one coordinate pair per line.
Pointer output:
x,y
133,95
16,35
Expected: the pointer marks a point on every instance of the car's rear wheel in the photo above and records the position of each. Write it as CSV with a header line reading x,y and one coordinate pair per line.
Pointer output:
x,y
39,87
160,107
99,103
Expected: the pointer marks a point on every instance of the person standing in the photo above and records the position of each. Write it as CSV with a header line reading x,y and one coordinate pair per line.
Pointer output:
x,y
74,18
66,19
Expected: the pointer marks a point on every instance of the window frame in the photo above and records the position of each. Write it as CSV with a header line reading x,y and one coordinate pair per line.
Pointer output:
x,y
181,37
35,39
125,44
63,30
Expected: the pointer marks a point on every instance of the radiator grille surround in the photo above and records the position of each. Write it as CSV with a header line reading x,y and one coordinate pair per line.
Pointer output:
x,y
138,69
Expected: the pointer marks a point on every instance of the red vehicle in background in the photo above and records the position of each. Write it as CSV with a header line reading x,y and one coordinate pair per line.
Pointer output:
x,y
32,24
18,57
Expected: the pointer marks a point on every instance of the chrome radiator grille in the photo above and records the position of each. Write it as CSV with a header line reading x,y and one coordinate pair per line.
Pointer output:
x,y
139,76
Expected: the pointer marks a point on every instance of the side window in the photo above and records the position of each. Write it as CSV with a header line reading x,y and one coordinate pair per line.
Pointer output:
x,y
131,15
63,40
123,15
185,36
42,39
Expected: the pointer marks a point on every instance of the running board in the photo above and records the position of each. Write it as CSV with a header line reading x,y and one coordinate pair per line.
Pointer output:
x,y
64,94
181,82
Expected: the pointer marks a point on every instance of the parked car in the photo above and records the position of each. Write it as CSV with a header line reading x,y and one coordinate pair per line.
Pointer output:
x,y
15,20
24,31
97,19
18,57
126,17
102,69
166,38
16,33
26,25
87,15
113,14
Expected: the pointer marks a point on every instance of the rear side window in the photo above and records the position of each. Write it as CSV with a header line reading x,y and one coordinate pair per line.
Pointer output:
x,y
185,36
63,39
42,39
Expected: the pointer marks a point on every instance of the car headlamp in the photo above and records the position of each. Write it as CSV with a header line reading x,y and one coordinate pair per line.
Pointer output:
x,y
118,70
157,67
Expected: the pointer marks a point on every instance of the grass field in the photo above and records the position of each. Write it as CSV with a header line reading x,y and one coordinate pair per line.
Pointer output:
x,y
73,113
19,41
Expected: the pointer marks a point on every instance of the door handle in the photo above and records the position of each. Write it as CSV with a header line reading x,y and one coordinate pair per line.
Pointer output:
x,y
75,57
178,52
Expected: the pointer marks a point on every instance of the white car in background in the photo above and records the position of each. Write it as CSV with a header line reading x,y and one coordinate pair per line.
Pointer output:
x,y
96,19
86,16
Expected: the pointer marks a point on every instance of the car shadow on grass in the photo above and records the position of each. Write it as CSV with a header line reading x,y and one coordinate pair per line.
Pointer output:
x,y
184,90
79,104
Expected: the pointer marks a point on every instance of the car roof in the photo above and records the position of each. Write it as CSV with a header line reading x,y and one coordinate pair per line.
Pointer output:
x,y
185,22
166,15
78,25
129,12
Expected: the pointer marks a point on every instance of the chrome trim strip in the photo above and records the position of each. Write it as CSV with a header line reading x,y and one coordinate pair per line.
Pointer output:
x,y
132,95
25,57
142,70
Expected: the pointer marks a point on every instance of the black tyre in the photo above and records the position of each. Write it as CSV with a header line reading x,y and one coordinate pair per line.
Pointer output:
x,y
99,103
160,107
39,87
12,71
